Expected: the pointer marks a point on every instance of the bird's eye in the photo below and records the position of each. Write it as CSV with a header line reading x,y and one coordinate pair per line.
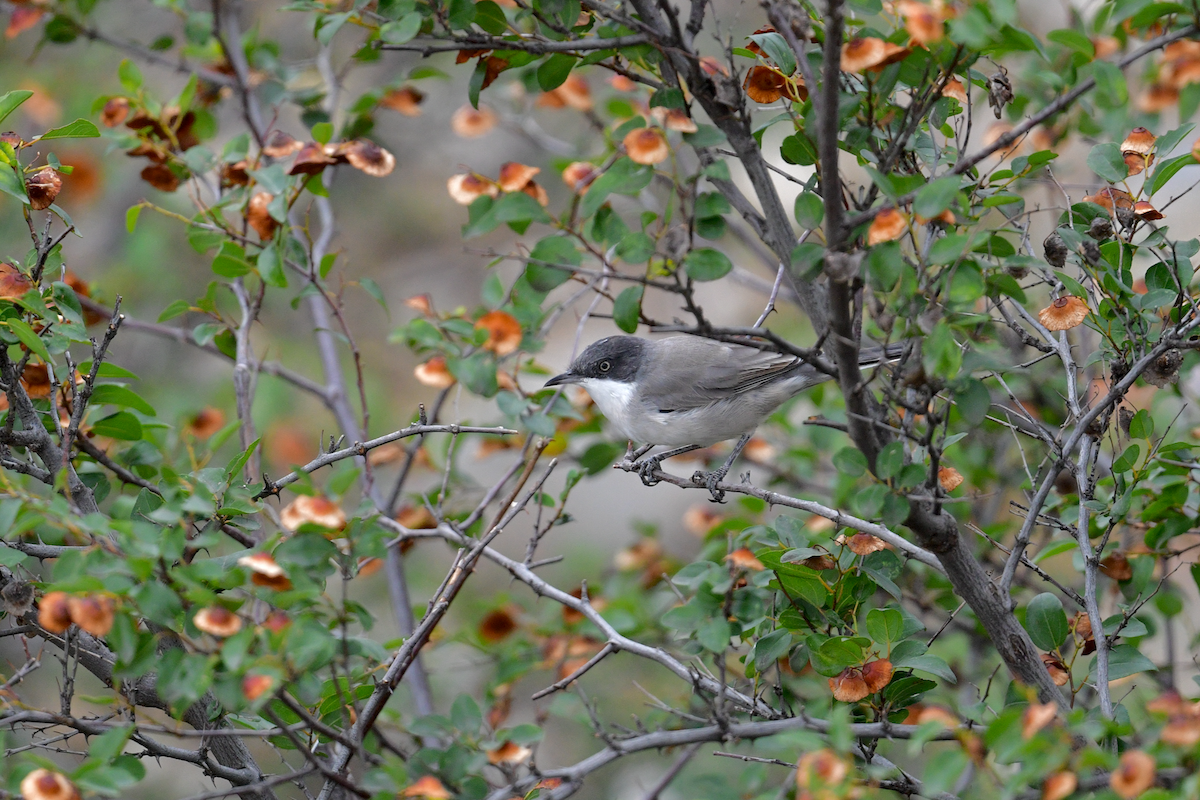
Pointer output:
x,y
604,366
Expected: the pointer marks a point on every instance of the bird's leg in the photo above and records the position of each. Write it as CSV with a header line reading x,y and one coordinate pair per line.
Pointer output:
x,y
647,468
633,455
710,479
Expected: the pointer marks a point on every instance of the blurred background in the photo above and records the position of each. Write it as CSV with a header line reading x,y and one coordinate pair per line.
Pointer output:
x,y
404,232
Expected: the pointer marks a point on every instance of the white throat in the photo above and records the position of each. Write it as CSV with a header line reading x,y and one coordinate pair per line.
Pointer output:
x,y
613,398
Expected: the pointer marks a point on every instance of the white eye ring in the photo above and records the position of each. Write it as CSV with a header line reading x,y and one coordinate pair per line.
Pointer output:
x,y
604,366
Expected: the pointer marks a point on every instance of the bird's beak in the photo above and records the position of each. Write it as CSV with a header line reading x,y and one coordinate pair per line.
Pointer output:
x,y
566,377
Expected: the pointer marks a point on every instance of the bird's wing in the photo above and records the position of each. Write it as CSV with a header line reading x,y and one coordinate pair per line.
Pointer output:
x,y
729,370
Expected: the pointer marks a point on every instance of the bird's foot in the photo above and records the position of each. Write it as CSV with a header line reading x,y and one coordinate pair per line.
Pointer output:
x,y
646,469
710,481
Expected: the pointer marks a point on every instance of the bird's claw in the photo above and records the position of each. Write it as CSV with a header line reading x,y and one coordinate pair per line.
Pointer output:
x,y
710,481
646,469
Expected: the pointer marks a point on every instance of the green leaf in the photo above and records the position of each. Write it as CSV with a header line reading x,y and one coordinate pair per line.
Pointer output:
x,y
131,217
850,461
890,460
121,425
28,338
711,204
1167,170
1127,460
810,210
402,30
1073,40
372,288
936,196
230,261
113,394
554,71
270,267
713,634
627,307
465,714
11,101
1141,426
885,625
707,264
635,248
79,129
174,310
973,401
1123,660
798,149
771,648
835,654
1046,621
623,177
130,76
1171,139
552,250
669,98
476,372
490,17
1107,161
322,132
109,744
928,663
777,49
11,186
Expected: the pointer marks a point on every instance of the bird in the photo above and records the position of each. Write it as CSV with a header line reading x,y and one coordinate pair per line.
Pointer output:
x,y
688,392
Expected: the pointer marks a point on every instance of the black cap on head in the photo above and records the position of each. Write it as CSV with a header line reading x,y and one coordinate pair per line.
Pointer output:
x,y
615,358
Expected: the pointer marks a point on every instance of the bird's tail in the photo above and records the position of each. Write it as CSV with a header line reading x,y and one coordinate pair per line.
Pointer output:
x,y
869,357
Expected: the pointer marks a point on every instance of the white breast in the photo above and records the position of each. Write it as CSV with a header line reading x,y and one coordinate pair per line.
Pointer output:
x,y
613,399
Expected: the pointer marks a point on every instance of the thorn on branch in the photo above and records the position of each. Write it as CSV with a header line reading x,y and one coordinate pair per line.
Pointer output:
x,y
270,488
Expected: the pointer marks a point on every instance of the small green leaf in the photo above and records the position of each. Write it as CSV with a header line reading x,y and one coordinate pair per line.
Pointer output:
x,y
554,71
28,338
973,401
322,132
928,663
402,30
79,129
490,17
627,308
557,250
890,460
777,49
835,654
810,210
885,625
1123,660
1107,161
230,261
936,196
131,217
11,101
372,288
235,467
707,264
130,76
1073,40
174,310
1046,621
771,648
113,394
1141,426
270,267
121,425
850,461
